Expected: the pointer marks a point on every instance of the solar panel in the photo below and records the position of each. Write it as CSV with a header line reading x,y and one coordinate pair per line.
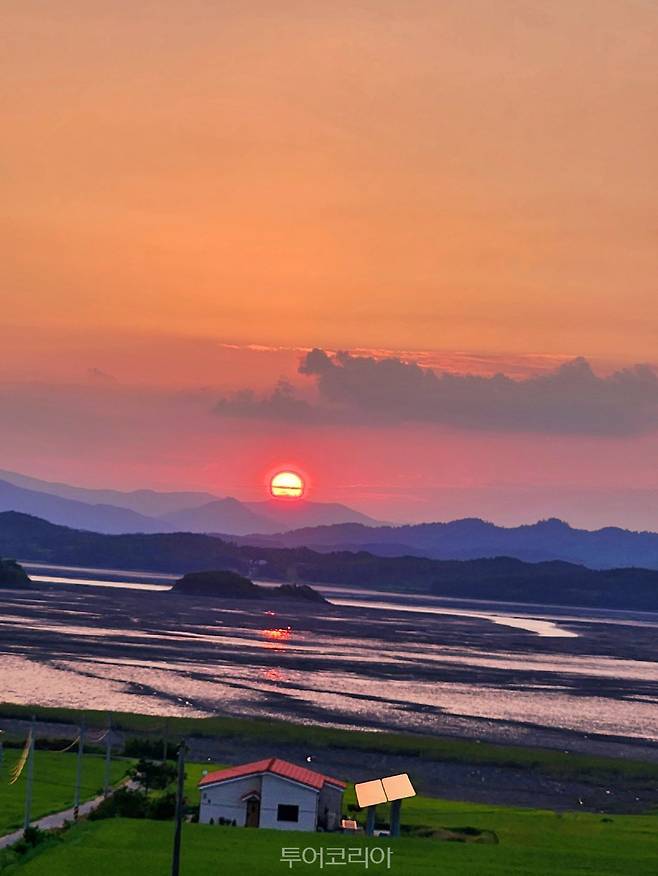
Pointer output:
x,y
398,787
384,790
370,793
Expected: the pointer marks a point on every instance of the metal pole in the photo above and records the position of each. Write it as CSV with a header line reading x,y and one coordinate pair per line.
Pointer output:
x,y
108,759
30,777
180,807
370,821
396,807
78,773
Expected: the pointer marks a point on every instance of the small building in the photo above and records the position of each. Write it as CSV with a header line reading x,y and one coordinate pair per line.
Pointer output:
x,y
271,793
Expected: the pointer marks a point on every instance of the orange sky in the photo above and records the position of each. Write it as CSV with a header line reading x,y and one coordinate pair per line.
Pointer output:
x,y
395,173
470,183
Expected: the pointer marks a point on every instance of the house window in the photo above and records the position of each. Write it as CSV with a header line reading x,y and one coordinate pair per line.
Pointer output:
x,y
287,813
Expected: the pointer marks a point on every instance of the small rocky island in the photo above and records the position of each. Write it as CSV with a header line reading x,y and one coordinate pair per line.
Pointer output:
x,y
223,584
13,575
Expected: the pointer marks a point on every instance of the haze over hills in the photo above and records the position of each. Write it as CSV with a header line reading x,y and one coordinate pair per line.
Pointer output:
x,y
473,538
79,515
221,515
324,527
114,511
151,503
231,517
295,515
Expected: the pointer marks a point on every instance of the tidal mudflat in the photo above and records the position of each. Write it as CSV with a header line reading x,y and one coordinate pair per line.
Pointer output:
x,y
536,675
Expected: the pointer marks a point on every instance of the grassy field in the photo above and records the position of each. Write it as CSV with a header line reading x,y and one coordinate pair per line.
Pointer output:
x,y
530,843
54,777
557,764
520,842
525,841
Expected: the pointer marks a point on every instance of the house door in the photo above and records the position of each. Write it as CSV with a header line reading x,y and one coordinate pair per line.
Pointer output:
x,y
253,812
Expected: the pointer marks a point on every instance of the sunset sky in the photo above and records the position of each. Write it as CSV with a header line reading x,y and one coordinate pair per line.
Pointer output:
x,y
198,194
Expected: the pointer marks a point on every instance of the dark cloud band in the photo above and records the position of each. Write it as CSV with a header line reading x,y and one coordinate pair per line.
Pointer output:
x,y
363,389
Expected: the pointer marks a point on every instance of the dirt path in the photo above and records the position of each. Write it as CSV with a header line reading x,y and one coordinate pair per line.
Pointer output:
x,y
58,819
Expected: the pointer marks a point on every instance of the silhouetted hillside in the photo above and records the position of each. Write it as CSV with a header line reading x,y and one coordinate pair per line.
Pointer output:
x,y
500,578
13,575
472,538
223,584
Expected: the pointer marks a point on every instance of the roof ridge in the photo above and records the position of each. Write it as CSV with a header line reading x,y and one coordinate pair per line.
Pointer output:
x,y
274,766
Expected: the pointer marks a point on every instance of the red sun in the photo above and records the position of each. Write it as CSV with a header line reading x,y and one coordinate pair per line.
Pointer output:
x,y
287,484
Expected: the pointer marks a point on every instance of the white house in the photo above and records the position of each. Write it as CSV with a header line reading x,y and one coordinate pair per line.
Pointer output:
x,y
271,793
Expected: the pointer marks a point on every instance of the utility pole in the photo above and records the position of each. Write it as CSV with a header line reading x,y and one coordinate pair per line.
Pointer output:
x,y
78,772
180,810
108,758
30,777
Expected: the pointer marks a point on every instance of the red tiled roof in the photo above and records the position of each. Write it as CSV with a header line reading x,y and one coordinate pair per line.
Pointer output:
x,y
276,766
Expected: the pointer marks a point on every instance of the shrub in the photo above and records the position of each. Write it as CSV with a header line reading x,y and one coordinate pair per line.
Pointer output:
x,y
163,807
124,803
153,775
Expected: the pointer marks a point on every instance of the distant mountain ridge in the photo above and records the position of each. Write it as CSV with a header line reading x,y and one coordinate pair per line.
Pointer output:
x,y
295,515
116,512
221,515
473,538
79,515
260,517
323,527
150,503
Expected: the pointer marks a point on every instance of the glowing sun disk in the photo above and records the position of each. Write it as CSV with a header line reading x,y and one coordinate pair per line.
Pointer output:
x,y
288,484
